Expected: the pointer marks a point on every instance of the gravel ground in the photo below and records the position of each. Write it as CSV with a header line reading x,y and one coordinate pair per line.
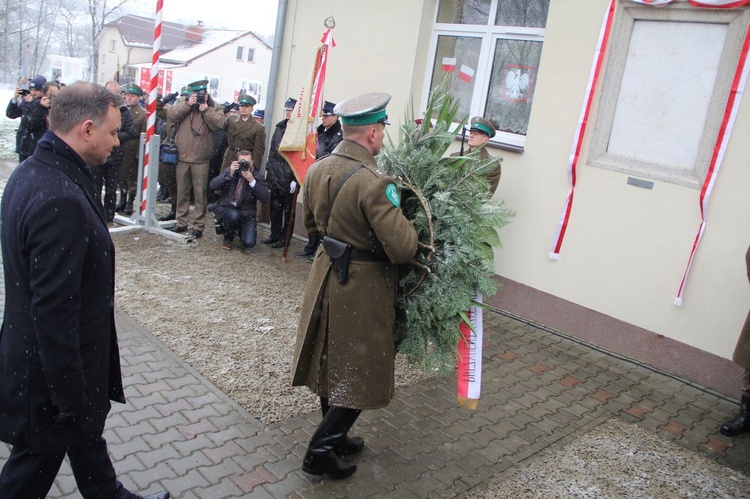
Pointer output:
x,y
231,315
618,459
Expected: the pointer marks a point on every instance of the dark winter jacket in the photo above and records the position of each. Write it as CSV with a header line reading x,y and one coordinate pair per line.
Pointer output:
x,y
58,341
279,174
34,124
328,139
125,134
246,205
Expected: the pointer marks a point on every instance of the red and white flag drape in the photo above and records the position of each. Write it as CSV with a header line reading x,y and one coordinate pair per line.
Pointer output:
x,y
583,119
470,357
725,131
730,113
299,143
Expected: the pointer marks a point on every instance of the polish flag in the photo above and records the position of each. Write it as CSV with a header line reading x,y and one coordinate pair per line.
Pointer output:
x,y
449,64
466,73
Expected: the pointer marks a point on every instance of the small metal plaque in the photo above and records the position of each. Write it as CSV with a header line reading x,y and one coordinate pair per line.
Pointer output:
x,y
645,184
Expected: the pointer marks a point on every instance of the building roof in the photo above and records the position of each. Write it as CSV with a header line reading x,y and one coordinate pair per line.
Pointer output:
x,y
183,43
212,40
139,32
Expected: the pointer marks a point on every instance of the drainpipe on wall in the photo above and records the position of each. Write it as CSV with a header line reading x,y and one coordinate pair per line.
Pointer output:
x,y
273,77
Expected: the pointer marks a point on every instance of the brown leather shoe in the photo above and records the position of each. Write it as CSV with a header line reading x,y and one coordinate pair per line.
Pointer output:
x,y
227,245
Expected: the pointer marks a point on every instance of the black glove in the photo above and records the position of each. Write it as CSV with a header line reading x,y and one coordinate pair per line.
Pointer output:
x,y
70,411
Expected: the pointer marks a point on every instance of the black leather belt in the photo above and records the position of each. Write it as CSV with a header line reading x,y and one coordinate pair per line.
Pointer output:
x,y
366,256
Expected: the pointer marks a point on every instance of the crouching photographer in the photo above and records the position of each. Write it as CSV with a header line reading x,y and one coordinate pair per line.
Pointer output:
x,y
242,186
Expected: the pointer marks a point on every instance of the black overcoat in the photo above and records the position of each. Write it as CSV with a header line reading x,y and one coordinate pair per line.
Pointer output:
x,y
58,338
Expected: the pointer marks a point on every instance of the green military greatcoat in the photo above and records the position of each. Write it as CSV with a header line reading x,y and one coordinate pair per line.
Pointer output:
x,y
244,135
345,349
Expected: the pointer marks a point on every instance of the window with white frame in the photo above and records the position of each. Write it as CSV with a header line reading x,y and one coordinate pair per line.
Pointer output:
x,y
240,51
667,83
250,54
488,51
113,45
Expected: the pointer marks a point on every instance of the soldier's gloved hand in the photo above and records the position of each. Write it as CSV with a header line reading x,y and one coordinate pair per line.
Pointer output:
x,y
69,411
292,187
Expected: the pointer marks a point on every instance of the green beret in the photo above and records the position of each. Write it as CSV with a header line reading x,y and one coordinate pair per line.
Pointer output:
x,y
364,109
247,99
480,124
132,88
198,85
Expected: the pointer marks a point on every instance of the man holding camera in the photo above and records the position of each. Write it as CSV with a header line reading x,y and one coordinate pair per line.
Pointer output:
x,y
34,120
18,103
244,134
196,117
242,186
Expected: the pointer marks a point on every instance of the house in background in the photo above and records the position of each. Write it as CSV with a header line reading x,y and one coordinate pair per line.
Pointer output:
x,y
234,62
656,114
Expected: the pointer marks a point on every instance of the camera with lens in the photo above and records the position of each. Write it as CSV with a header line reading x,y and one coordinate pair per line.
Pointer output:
x,y
244,165
200,96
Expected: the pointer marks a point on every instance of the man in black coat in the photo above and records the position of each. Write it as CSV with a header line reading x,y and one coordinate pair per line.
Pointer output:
x,y
280,180
242,187
59,359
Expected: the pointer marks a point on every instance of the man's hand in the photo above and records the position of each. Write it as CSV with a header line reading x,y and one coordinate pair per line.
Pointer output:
x,y
248,175
46,102
234,167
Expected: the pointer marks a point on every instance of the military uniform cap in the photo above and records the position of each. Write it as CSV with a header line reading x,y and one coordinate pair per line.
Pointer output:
x,y
483,125
185,90
328,108
247,99
290,103
132,88
198,85
259,113
364,109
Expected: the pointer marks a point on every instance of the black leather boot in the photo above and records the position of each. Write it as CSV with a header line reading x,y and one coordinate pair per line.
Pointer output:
x,y
129,205
120,206
321,458
171,215
740,423
348,446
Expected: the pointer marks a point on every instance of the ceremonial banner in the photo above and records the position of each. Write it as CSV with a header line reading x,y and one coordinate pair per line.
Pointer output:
x,y
470,357
300,141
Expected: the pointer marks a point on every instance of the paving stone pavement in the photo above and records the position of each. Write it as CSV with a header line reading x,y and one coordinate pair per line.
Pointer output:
x,y
540,390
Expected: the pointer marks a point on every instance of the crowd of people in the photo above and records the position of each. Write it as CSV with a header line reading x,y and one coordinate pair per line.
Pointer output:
x,y
58,346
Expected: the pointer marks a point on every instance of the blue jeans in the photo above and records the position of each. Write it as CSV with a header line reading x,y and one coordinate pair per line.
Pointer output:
x,y
233,222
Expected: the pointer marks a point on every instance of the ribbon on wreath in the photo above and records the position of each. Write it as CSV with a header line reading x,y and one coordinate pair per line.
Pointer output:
x,y
470,356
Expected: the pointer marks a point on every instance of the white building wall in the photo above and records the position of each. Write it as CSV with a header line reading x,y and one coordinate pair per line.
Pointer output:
x,y
626,248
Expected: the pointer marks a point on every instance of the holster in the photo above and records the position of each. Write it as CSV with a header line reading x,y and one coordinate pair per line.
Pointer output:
x,y
340,253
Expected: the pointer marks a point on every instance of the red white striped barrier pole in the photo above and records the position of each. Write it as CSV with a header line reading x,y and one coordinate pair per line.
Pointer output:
x,y
152,97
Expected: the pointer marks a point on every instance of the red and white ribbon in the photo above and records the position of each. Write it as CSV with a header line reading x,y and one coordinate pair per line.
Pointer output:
x,y
470,357
152,97
601,47
725,131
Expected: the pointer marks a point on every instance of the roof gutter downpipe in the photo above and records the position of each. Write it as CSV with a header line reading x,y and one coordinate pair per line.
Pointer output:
x,y
273,77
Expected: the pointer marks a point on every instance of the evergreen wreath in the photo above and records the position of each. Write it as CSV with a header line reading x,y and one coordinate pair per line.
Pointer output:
x,y
464,223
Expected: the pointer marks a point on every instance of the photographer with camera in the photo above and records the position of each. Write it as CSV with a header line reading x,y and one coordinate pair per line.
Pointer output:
x,y
34,120
17,106
197,117
242,186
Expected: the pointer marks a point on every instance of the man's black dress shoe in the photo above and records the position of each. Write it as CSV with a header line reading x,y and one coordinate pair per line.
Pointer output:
x,y
178,229
197,234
